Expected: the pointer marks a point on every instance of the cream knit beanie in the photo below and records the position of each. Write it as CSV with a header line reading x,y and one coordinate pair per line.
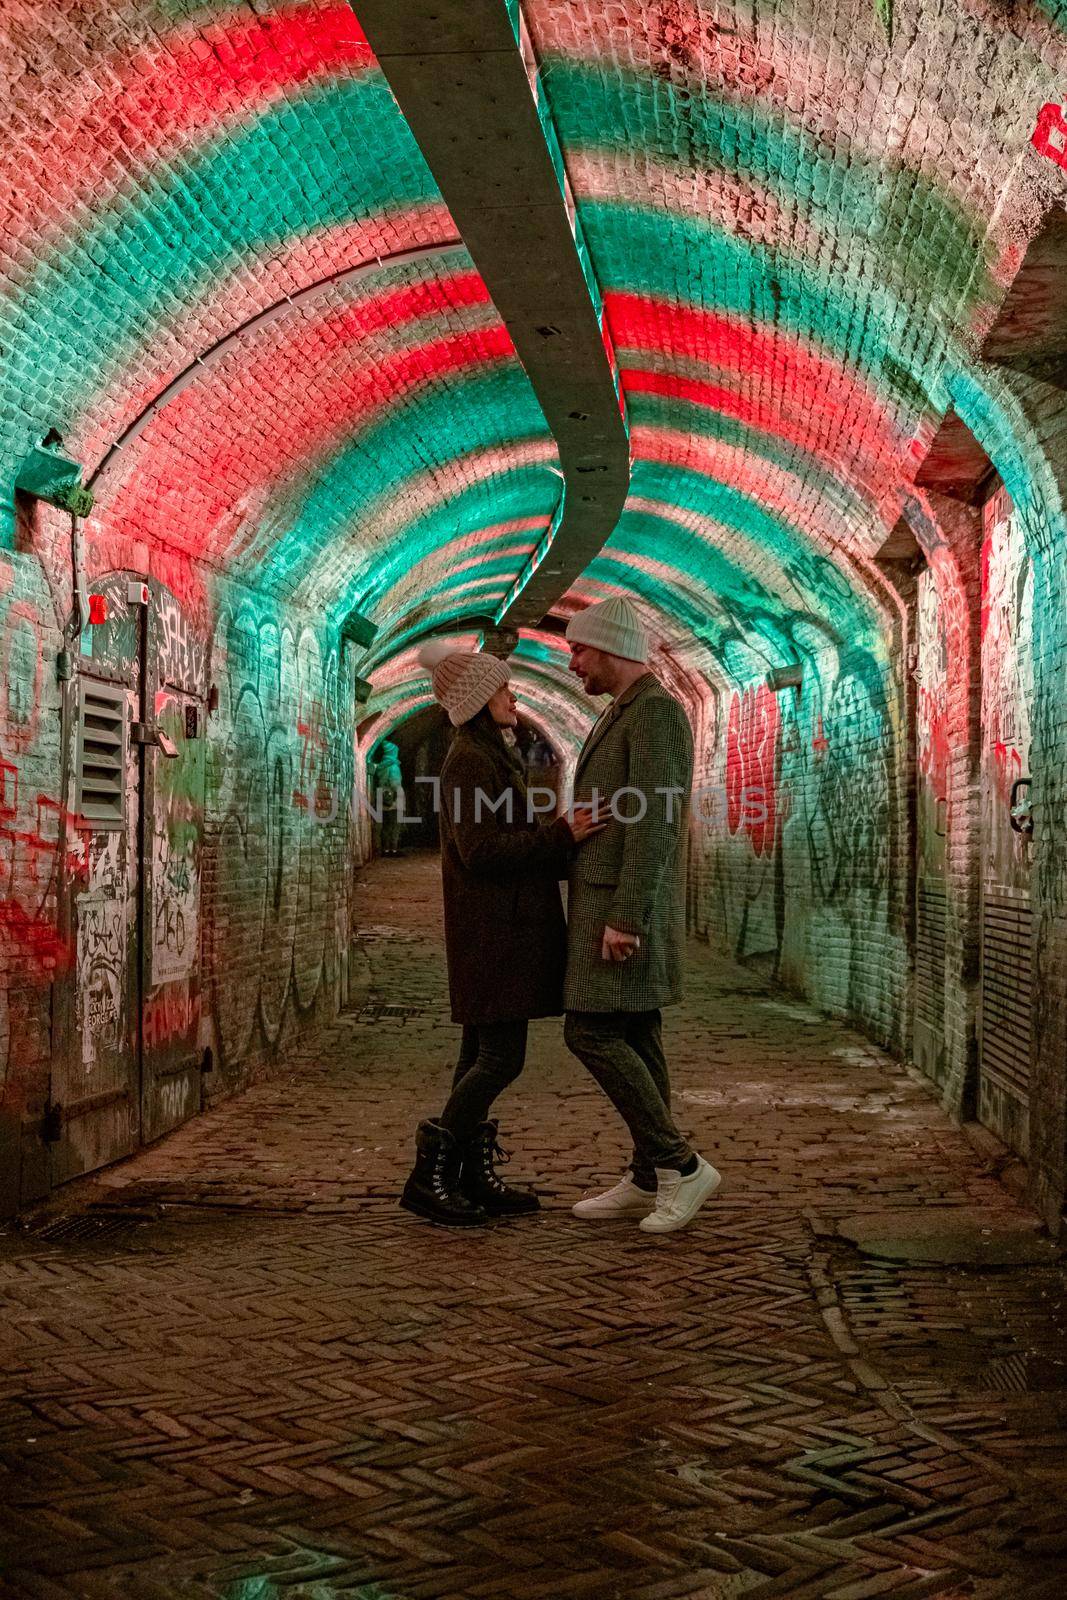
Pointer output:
x,y
612,625
463,680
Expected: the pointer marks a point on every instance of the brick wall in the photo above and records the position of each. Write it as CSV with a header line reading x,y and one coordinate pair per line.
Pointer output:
x,y
800,837
273,908
801,228
33,949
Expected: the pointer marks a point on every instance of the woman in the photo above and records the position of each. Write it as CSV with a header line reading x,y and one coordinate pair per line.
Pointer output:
x,y
505,935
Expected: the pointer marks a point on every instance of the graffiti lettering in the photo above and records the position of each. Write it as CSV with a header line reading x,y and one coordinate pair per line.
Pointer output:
x,y
172,1013
279,766
101,971
1007,687
173,1099
1049,137
752,766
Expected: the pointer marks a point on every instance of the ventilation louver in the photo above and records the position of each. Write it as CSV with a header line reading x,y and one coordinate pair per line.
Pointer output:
x,y
102,754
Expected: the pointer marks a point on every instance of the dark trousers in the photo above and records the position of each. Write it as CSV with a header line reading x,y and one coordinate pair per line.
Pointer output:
x,y
390,830
491,1056
624,1052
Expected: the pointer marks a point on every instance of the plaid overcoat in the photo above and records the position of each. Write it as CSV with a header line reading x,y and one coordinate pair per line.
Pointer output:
x,y
632,876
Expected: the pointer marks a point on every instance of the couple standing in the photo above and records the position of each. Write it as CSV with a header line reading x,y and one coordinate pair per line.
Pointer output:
x,y
512,956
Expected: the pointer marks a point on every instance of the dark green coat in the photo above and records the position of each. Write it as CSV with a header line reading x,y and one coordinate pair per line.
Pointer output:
x,y
505,936
632,876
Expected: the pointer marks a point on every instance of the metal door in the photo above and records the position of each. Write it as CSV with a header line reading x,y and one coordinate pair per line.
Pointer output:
x,y
94,1117
1007,700
134,744
173,837
931,726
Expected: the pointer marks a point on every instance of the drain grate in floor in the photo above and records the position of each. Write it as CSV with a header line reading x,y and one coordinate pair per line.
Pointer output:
x,y
1009,1375
376,1012
373,932
1027,1372
90,1227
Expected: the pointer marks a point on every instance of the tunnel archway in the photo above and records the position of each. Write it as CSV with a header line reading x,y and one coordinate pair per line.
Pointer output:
x,y
422,739
296,400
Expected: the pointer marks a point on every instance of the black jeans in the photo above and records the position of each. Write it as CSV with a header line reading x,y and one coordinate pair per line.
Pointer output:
x,y
624,1052
491,1056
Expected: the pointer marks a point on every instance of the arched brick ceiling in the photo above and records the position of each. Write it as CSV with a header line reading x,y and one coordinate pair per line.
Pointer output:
x,y
182,176
790,223
540,664
793,222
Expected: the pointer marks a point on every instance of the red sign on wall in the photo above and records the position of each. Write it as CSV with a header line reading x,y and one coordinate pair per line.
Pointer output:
x,y
1050,135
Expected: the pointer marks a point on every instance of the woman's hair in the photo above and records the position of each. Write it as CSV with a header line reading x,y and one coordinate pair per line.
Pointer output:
x,y
482,722
483,726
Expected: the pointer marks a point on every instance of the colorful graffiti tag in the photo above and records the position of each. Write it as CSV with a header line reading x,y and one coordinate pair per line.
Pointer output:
x,y
752,767
277,861
1007,689
1049,137
931,720
34,822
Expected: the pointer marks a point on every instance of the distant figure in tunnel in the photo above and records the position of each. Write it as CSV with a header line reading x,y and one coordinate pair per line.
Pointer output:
x,y
505,936
387,796
626,914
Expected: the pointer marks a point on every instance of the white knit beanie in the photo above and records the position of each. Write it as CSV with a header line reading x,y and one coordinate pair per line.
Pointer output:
x,y
612,625
463,680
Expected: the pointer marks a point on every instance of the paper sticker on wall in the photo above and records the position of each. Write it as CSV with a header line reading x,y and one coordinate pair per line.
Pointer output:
x,y
101,969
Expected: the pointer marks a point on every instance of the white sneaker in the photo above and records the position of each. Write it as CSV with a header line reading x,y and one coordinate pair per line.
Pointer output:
x,y
624,1200
679,1199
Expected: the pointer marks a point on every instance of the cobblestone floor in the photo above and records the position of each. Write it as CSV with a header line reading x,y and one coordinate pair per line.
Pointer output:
x,y
275,1384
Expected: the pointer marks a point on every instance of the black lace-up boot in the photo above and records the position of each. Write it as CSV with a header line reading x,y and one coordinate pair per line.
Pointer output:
x,y
482,1184
433,1189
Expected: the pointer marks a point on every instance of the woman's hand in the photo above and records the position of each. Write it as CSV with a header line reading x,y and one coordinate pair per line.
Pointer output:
x,y
583,823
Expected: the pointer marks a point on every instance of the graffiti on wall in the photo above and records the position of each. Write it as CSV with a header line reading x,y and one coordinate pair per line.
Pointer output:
x,y
33,821
175,848
279,772
931,720
809,871
181,654
101,973
847,794
740,815
1007,689
1049,137
752,766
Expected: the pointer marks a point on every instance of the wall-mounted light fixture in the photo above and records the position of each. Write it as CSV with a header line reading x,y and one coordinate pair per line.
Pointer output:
x,y
358,629
47,475
787,677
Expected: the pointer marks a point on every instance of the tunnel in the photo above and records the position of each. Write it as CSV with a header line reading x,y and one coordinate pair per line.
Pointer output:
x,y
331,331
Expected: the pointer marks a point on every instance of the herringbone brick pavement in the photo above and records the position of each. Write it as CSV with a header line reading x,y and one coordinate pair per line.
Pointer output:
x,y
276,1386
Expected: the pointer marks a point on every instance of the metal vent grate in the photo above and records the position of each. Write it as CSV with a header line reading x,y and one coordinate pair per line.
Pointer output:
x,y
102,753
1006,992
90,1227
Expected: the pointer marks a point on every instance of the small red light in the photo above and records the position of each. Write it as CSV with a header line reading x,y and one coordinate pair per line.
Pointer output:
x,y
97,608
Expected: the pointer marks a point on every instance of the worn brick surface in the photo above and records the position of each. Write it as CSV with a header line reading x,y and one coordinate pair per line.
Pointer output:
x,y
276,1384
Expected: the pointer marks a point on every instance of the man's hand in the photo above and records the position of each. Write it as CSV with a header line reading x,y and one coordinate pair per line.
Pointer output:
x,y
618,946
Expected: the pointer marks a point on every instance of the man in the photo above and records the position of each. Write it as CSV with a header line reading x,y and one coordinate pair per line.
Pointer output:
x,y
626,913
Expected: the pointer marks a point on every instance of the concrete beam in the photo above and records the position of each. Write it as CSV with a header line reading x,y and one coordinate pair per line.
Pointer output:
x,y
469,93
